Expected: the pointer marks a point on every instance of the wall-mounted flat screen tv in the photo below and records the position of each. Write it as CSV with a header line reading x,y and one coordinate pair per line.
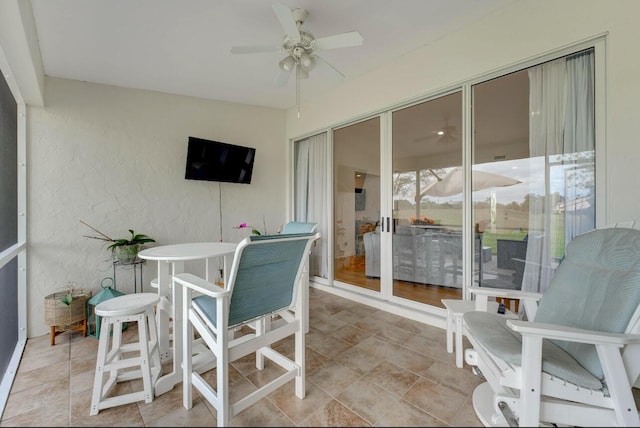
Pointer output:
x,y
216,161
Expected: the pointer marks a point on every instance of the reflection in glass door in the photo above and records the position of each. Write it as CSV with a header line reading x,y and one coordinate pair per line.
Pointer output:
x,y
356,160
535,129
427,200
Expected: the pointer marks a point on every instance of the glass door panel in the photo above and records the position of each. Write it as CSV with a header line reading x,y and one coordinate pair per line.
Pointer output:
x,y
356,160
539,143
427,200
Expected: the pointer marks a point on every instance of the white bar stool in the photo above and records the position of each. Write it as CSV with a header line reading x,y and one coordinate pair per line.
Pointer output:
x,y
138,308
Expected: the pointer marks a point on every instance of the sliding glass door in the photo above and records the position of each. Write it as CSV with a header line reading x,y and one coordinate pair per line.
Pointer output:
x,y
356,204
526,148
539,144
427,211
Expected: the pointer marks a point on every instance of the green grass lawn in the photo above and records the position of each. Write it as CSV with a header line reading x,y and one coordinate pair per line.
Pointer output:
x,y
489,239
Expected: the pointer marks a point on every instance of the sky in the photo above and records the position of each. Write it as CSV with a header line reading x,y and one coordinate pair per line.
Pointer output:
x,y
529,171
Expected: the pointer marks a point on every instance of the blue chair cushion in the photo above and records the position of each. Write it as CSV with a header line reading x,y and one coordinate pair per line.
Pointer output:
x,y
494,334
596,287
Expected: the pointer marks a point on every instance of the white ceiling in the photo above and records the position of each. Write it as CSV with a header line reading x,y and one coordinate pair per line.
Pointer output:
x,y
182,46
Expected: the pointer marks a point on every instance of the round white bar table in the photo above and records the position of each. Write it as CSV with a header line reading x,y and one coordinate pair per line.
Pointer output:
x,y
171,260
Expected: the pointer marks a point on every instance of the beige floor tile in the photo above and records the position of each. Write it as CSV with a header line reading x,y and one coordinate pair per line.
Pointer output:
x,y
404,414
410,360
348,316
363,367
334,414
461,379
394,334
326,345
325,324
350,334
358,360
42,398
40,359
295,408
270,372
55,372
392,378
368,400
437,400
262,414
333,378
82,374
123,415
370,324
38,419
175,415
466,417
313,361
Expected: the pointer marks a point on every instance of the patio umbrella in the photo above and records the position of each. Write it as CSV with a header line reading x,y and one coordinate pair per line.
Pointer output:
x,y
451,183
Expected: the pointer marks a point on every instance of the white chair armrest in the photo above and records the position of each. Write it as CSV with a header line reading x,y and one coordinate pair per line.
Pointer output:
x,y
529,299
200,285
505,293
570,334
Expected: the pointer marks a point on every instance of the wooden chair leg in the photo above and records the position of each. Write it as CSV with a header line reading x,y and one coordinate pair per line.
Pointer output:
x,y
52,335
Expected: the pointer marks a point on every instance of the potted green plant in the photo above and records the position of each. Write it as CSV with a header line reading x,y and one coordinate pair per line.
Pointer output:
x,y
123,250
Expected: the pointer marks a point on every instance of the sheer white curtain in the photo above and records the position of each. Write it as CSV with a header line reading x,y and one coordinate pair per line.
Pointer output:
x,y
561,134
310,194
579,146
546,123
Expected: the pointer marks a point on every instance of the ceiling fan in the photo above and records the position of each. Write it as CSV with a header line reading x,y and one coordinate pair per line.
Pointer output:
x,y
301,46
446,134
443,135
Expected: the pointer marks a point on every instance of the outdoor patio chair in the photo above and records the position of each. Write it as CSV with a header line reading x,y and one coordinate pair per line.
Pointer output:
x,y
264,280
575,363
300,227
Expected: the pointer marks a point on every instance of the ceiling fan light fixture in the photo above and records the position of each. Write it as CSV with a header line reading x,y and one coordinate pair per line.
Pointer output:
x,y
308,65
287,64
440,132
302,73
306,61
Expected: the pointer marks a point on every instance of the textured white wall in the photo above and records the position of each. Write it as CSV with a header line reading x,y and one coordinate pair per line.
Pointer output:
x,y
115,158
525,29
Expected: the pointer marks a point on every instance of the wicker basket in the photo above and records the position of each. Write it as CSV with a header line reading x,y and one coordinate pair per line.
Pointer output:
x,y
60,315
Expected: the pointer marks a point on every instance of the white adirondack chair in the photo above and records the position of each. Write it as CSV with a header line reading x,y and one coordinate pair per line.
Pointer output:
x,y
577,361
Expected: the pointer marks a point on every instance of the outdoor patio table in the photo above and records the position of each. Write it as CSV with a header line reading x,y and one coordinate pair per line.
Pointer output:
x,y
171,260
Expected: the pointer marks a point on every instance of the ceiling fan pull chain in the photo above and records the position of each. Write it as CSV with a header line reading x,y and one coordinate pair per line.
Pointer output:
x,y
298,89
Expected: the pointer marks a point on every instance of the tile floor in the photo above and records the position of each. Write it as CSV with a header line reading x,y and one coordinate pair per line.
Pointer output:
x,y
365,367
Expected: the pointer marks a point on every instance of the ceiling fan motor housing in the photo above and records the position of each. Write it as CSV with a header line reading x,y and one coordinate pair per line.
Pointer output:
x,y
299,15
301,51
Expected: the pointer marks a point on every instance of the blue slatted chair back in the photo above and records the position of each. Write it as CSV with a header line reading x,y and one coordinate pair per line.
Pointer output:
x,y
299,227
266,276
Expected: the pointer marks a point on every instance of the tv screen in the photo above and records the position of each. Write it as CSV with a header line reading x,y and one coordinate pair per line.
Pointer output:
x,y
216,161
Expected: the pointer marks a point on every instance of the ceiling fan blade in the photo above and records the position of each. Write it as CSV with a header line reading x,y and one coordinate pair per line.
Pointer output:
x,y
255,49
283,78
323,66
343,40
288,23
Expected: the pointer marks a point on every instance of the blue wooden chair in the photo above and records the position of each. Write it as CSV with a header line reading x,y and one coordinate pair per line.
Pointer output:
x,y
264,280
